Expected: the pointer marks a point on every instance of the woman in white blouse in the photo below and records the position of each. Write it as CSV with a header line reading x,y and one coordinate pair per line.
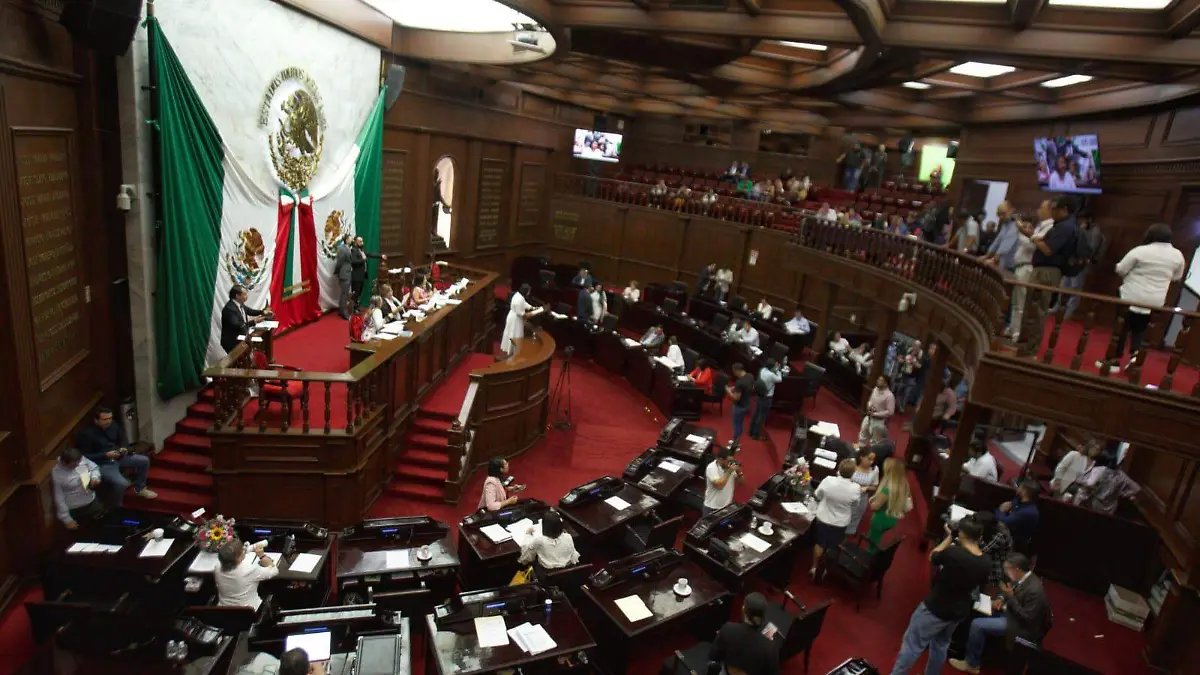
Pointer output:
x,y
674,354
1148,272
632,294
866,475
599,303
552,549
1072,467
377,320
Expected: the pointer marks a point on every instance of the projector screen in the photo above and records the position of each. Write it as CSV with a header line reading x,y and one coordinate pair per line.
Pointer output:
x,y
1068,163
598,145
932,156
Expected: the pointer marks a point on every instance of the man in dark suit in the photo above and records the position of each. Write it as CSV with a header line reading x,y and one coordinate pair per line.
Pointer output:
x,y
583,305
342,267
237,318
1026,613
583,279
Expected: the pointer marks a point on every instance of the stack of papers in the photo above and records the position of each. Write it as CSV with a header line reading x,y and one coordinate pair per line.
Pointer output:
x,y
633,608
665,361
385,336
825,429
824,463
398,559
754,542
157,548
617,503
305,563
827,454
518,530
496,533
94,548
491,631
395,327
631,343
533,639
205,563
670,465
984,604
268,325
797,508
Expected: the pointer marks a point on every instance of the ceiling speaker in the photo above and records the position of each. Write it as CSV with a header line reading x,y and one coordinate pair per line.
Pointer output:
x,y
395,83
106,26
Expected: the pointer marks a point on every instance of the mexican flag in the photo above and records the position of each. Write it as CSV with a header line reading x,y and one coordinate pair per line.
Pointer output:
x,y
217,228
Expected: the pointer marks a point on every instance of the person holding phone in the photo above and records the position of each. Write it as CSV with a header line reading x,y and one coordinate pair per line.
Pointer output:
x,y
748,646
497,486
105,444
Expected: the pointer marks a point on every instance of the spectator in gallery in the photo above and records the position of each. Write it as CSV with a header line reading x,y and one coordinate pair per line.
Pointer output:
x,y
877,167
1003,249
702,376
632,294
839,347
105,444
827,213
1104,485
1147,272
583,279
1097,243
658,193
980,462
851,161
724,282
881,405
709,198
798,325
966,236
1051,257
1027,236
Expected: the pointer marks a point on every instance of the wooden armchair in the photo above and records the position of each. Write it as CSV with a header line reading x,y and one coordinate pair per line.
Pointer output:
x,y
276,390
858,568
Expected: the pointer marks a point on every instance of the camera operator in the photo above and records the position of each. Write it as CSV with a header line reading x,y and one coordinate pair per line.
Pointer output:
x,y
719,479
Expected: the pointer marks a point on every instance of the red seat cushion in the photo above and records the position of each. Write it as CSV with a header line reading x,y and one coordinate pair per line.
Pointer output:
x,y
273,390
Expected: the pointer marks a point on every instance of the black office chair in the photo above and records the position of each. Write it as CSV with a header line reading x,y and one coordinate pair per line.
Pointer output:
x,y
670,306
679,288
546,278
609,322
737,304
778,351
720,322
720,380
691,661
647,534
797,632
764,342
230,619
568,579
689,358
857,568
410,602
562,308
813,374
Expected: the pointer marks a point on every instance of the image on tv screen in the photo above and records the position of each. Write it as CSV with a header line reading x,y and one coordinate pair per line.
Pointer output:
x,y
1068,163
598,145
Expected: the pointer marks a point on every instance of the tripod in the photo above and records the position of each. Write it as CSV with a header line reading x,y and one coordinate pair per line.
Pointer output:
x,y
560,400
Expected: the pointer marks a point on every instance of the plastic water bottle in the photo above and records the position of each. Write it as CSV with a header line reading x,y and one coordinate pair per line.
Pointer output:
x,y
172,650
549,605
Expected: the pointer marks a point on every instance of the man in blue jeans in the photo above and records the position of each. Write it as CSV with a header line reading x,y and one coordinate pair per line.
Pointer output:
x,y
964,568
768,377
1026,613
741,392
105,444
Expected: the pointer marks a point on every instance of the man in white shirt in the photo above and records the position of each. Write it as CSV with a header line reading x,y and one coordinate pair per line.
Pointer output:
x,y
75,479
839,346
836,498
746,335
674,354
980,462
632,294
1023,262
719,479
967,234
239,574
798,325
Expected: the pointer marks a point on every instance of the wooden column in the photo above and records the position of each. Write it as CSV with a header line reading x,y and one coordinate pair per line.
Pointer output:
x,y
952,469
821,339
884,338
918,452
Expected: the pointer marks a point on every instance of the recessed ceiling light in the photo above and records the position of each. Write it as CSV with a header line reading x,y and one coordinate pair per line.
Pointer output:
x,y
977,69
1114,4
804,45
979,2
1066,81
917,85
458,16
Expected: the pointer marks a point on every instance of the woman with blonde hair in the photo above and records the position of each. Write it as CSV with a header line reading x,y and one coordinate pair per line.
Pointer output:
x,y
890,503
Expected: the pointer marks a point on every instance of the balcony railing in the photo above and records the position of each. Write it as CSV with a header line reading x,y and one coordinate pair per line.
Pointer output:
x,y
1091,336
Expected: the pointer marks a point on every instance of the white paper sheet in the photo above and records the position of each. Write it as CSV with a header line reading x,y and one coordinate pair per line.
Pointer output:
x,y
797,508
617,503
275,557
557,316
491,631
669,465
531,638
825,429
633,608
395,327
984,604
81,547
664,361
205,563
305,563
496,533
268,325
156,549
683,378
693,439
754,542
827,454
957,513
398,559
519,529
822,462
385,336
631,343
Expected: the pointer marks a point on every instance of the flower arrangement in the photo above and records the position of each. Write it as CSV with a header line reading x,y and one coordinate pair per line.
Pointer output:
x,y
798,477
214,532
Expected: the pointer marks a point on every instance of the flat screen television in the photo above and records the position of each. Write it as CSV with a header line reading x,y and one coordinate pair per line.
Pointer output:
x,y
601,146
1068,163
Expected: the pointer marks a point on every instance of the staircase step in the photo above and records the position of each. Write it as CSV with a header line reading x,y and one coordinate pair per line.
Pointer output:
x,y
431,428
183,461
439,415
202,410
198,481
192,425
206,394
423,457
171,500
188,443
421,474
417,491
434,443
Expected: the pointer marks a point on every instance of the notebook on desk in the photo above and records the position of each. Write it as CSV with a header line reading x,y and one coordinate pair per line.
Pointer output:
x,y
317,645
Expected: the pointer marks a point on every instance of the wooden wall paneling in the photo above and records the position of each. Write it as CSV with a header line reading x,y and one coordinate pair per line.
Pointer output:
x,y
493,196
712,241
765,272
392,212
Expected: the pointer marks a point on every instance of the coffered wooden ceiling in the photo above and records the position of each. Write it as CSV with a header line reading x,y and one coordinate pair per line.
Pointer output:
x,y
731,62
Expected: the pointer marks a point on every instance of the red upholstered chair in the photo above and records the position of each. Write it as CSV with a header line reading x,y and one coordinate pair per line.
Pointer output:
x,y
276,390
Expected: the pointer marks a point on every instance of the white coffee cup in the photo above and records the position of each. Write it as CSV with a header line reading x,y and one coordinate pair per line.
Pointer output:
x,y
156,533
682,584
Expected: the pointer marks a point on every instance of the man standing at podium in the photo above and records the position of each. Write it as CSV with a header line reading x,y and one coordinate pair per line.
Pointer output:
x,y
237,318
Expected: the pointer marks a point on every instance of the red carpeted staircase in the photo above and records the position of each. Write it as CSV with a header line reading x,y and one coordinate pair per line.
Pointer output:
x,y
180,473
421,470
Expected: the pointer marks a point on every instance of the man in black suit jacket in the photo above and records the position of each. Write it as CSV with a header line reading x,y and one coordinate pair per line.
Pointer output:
x,y
1026,613
237,318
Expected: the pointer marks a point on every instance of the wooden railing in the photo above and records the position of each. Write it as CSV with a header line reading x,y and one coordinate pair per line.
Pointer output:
x,y
462,435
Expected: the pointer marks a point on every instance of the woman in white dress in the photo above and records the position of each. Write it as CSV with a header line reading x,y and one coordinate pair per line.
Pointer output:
x,y
514,326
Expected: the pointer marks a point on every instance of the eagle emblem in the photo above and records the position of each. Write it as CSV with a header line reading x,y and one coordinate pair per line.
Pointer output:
x,y
337,225
245,264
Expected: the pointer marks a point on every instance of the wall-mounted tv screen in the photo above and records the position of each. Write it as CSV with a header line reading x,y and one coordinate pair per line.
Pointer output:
x,y
1068,163
598,145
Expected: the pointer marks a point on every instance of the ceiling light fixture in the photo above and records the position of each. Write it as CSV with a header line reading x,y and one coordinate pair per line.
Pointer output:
x,y
1067,81
804,45
458,16
1144,5
982,70
917,85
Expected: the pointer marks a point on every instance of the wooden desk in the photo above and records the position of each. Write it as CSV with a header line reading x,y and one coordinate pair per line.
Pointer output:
x,y
664,483
680,446
701,613
598,519
365,563
775,512
773,565
125,563
458,652
290,589
149,659
612,352
486,564
673,397
640,370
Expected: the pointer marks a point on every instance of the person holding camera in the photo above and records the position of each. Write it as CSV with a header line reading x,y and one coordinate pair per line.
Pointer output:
x,y
963,568
719,479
